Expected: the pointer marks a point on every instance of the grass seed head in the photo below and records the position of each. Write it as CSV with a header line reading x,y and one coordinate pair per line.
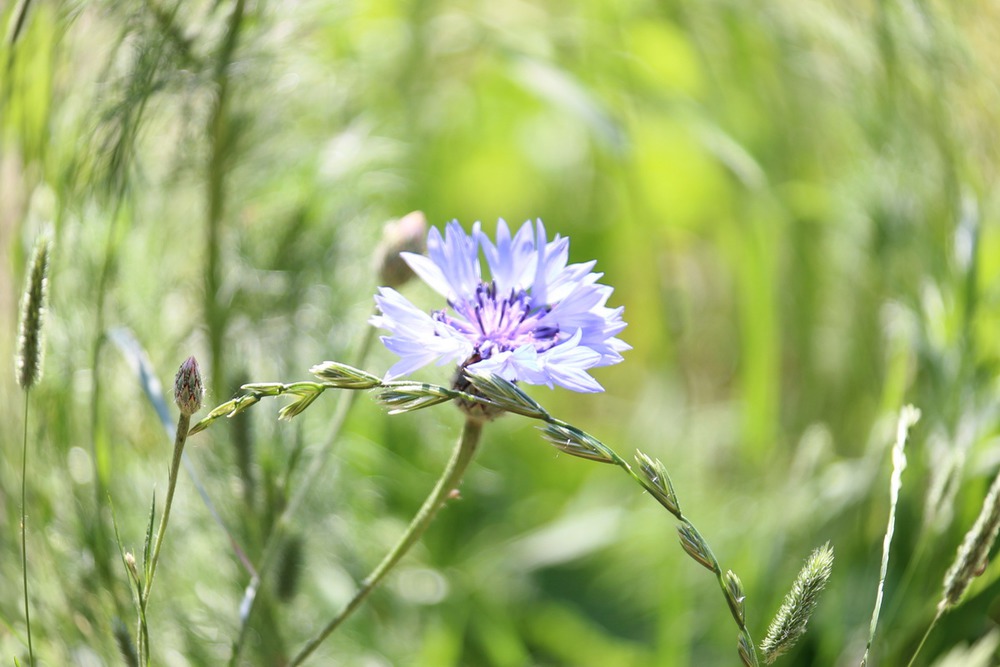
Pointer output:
x,y
30,341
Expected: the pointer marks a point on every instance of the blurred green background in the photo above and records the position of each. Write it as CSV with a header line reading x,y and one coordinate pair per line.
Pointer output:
x,y
794,201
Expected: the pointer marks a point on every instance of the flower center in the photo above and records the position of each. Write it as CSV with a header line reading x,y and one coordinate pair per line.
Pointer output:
x,y
500,323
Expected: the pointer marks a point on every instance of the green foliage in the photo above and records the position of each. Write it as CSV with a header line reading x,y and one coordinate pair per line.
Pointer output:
x,y
793,200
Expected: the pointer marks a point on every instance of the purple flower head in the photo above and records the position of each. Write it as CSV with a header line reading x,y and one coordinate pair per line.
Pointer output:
x,y
535,319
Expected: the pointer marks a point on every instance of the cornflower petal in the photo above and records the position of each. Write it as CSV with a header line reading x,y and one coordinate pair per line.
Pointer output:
x,y
551,260
519,364
452,265
536,319
417,338
512,260
564,365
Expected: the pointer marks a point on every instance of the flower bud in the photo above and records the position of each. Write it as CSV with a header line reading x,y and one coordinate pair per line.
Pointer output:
x,y
130,564
188,388
408,234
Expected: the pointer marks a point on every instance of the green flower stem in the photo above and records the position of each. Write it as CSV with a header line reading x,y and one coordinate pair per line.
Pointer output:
x,y
405,396
712,564
280,528
24,544
183,424
449,480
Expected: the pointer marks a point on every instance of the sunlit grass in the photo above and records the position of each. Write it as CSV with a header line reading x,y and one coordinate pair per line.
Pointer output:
x,y
794,202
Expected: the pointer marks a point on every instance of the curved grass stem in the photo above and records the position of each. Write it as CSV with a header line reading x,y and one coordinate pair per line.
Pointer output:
x,y
450,478
24,544
498,394
501,393
704,556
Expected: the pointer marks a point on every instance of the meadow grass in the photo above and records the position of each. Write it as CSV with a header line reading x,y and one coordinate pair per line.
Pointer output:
x,y
794,201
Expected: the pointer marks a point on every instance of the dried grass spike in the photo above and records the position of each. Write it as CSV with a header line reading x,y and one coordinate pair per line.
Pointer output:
x,y
343,376
790,622
695,546
30,342
657,482
736,597
573,441
974,552
747,655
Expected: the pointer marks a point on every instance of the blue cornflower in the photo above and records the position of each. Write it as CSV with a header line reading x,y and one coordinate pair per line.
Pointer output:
x,y
535,319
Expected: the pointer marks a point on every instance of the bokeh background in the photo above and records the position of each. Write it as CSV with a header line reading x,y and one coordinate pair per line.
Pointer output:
x,y
794,200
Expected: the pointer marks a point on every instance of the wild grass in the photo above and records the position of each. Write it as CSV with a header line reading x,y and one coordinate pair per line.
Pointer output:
x,y
794,201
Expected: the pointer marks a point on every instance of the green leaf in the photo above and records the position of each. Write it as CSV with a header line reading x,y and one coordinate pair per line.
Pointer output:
x,y
146,548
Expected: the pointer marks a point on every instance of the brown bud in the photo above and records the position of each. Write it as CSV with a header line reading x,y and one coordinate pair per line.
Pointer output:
x,y
188,388
408,234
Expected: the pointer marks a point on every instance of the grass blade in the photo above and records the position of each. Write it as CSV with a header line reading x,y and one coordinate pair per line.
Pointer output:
x,y
908,416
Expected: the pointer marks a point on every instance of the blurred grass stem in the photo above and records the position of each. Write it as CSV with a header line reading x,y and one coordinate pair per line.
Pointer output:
x,y
652,476
706,557
99,443
17,22
220,132
450,478
24,544
28,371
908,417
927,634
272,545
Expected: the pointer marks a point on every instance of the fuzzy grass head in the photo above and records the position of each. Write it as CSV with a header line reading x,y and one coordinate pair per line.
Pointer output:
x,y
30,341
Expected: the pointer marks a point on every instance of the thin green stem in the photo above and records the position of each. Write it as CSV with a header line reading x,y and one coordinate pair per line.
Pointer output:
x,y
183,424
409,396
449,480
713,561
24,543
274,539
586,446
927,634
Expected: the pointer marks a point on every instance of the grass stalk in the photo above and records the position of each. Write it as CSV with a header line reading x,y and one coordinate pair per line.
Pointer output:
x,y
28,371
100,454
499,395
652,476
450,478
697,547
907,418
24,543
273,542
220,134
923,640
971,559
